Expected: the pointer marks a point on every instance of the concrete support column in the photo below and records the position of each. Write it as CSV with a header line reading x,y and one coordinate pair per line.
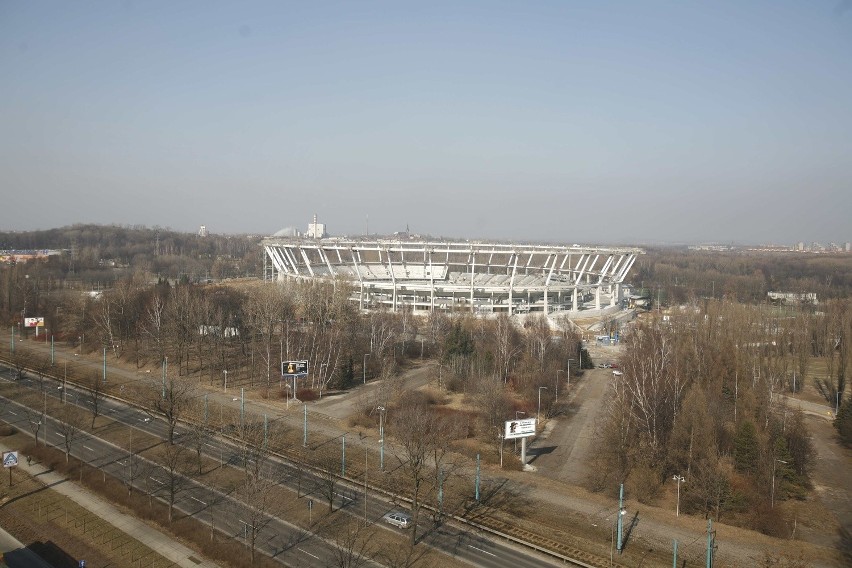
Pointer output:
x,y
598,298
574,299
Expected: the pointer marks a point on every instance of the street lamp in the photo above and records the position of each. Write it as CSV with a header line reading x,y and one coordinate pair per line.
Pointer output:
x,y
364,367
381,410
538,412
612,535
322,377
679,479
557,383
363,439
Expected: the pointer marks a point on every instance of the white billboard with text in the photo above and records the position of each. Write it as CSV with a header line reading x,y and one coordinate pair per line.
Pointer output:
x,y
519,428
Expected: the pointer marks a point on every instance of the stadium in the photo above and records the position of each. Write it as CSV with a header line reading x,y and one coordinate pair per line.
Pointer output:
x,y
480,277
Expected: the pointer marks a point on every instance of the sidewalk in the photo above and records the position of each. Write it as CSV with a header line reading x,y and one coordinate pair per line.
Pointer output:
x,y
163,544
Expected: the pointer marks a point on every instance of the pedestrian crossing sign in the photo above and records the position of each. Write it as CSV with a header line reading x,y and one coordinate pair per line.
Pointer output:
x,y
10,459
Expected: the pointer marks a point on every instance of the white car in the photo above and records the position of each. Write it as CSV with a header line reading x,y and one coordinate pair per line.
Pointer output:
x,y
400,520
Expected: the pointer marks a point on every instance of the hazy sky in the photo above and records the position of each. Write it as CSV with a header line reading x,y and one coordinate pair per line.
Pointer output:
x,y
572,121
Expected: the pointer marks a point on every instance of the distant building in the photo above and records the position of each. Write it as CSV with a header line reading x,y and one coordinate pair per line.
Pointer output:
x,y
792,297
316,230
202,231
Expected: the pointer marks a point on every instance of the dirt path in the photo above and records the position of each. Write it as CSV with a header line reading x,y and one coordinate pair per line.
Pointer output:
x,y
341,406
563,453
832,481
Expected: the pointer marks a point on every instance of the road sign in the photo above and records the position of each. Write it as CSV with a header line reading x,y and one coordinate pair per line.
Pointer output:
x,y
294,368
10,459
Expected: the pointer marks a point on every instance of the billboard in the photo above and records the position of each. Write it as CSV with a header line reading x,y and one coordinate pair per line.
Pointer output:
x,y
519,428
294,368
33,322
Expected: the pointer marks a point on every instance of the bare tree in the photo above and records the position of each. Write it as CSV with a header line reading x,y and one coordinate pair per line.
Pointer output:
x,y
415,445
173,476
507,344
135,466
171,399
262,505
70,426
35,420
96,395
328,462
353,547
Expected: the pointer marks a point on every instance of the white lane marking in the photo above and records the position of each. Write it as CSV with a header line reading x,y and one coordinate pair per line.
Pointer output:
x,y
483,551
308,553
199,500
157,480
88,448
13,412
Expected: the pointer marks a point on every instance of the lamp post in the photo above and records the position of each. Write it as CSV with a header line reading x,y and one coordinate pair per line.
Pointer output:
x,y
226,379
322,365
363,439
557,383
343,455
679,479
612,535
364,367
538,412
381,410
568,374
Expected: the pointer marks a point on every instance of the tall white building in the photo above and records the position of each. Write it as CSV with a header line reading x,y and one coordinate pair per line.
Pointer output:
x,y
315,230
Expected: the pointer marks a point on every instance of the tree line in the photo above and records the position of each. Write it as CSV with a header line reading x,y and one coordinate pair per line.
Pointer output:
x,y
701,394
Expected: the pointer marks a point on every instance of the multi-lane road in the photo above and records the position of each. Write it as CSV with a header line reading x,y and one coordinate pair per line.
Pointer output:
x,y
292,545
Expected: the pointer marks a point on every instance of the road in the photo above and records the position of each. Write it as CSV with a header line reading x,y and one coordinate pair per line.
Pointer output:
x,y
291,544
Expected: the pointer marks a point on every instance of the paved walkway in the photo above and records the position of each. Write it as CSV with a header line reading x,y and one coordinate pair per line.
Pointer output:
x,y
161,543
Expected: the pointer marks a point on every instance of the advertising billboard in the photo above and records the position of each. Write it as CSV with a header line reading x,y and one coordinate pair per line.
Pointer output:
x,y
519,428
33,322
294,368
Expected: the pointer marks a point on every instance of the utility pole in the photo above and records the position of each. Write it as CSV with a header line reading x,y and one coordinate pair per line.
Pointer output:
x,y
674,554
364,367
381,410
477,478
679,479
343,455
305,429
709,544
620,515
